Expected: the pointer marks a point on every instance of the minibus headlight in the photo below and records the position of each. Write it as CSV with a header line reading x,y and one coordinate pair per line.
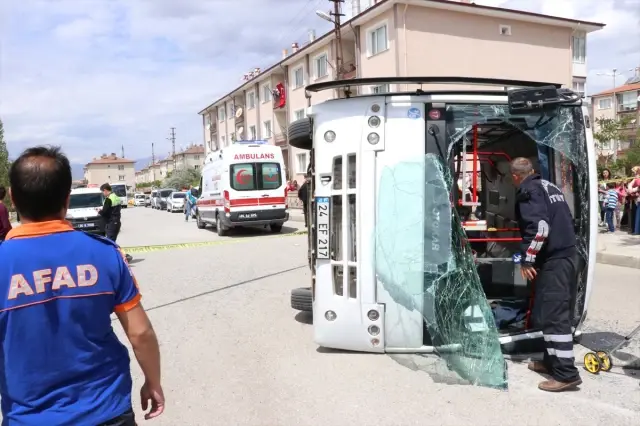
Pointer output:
x,y
374,121
373,138
330,315
373,315
375,107
374,330
329,136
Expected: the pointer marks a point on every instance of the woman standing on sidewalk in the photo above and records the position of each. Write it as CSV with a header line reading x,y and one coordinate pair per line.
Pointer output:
x,y
5,223
605,175
633,191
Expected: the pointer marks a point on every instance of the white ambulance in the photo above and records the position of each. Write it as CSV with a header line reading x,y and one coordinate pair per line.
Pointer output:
x,y
243,185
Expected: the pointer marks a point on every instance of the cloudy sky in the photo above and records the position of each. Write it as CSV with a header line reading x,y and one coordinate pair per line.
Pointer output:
x,y
92,75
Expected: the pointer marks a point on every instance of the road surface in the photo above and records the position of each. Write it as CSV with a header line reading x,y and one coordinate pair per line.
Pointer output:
x,y
235,353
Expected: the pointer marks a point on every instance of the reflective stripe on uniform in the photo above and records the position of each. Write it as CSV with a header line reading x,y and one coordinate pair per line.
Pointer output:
x,y
559,353
562,338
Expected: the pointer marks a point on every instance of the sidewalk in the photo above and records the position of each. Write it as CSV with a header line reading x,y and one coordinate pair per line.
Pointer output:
x,y
295,215
619,249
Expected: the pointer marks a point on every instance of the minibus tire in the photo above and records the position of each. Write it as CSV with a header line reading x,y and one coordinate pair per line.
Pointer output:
x,y
301,299
219,228
300,134
199,223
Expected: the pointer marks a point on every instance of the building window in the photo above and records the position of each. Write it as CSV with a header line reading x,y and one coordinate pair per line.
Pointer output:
x,y
252,133
579,49
298,115
251,100
628,101
196,157
267,129
222,141
378,40
231,110
579,87
121,177
301,163
196,167
604,103
266,93
120,166
298,78
504,30
221,114
382,88
320,66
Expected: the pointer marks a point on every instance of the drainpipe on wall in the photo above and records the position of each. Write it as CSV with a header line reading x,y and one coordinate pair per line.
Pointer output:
x,y
307,76
256,99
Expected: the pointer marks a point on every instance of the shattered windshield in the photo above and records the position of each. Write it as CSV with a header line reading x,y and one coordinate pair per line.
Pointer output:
x,y
429,263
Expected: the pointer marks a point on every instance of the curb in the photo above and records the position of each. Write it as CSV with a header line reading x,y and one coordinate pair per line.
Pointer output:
x,y
618,260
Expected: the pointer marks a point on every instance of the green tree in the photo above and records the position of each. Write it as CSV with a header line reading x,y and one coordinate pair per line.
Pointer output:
x,y
182,178
4,159
611,130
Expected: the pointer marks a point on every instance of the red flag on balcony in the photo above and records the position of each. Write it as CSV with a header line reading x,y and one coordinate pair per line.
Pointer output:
x,y
281,97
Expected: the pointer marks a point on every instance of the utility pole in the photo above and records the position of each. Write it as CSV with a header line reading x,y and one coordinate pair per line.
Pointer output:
x,y
337,15
153,163
173,146
614,105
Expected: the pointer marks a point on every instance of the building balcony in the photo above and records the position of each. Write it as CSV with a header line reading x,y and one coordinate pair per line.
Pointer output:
x,y
280,139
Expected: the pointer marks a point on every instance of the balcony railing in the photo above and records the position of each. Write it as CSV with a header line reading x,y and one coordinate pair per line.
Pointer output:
x,y
280,139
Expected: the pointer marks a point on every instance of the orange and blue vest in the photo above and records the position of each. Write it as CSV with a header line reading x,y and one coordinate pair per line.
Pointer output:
x,y
61,360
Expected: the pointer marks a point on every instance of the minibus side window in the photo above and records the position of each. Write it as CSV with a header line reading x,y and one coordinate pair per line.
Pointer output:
x,y
243,177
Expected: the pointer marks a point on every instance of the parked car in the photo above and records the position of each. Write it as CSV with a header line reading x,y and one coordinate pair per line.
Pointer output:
x,y
176,201
138,200
163,194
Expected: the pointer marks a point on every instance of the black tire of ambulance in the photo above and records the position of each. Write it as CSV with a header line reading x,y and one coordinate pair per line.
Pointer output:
x,y
219,228
301,299
199,223
276,227
300,134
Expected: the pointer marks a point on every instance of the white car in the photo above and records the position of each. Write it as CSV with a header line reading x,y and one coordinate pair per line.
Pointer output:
x,y
175,201
138,200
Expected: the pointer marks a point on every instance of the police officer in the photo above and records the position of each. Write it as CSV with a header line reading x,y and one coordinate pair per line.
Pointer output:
x,y
111,212
548,256
62,362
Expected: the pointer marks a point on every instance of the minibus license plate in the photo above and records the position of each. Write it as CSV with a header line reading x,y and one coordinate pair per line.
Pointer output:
x,y
322,222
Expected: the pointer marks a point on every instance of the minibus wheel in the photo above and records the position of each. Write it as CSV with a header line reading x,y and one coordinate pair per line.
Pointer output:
x,y
301,299
300,134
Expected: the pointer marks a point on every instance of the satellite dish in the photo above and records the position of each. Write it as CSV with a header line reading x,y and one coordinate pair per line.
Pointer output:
x,y
240,130
238,112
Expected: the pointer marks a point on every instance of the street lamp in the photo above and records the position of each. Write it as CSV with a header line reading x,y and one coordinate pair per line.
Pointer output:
x,y
325,16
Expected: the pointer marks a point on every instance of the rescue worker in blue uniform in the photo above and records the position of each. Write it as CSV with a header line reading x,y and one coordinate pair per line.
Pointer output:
x,y
61,362
549,257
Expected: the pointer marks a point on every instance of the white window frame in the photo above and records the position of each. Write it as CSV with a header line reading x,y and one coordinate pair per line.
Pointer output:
x,y
371,31
295,79
579,52
299,114
222,113
268,130
605,107
324,57
122,178
376,89
579,86
301,163
251,99
253,135
628,105
267,96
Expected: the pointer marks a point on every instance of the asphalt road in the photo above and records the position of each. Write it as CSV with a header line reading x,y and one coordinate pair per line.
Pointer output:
x,y
235,353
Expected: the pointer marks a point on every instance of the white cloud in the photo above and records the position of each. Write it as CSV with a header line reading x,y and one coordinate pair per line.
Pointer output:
x,y
93,75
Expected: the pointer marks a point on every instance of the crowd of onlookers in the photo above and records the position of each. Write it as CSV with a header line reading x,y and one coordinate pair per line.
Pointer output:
x,y
619,201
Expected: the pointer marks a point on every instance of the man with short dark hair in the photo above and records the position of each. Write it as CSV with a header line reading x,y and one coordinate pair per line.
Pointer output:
x,y
303,194
111,212
61,360
548,244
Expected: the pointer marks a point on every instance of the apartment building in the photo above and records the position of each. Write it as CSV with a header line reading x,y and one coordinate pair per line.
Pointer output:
x,y
191,157
399,38
110,169
622,101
